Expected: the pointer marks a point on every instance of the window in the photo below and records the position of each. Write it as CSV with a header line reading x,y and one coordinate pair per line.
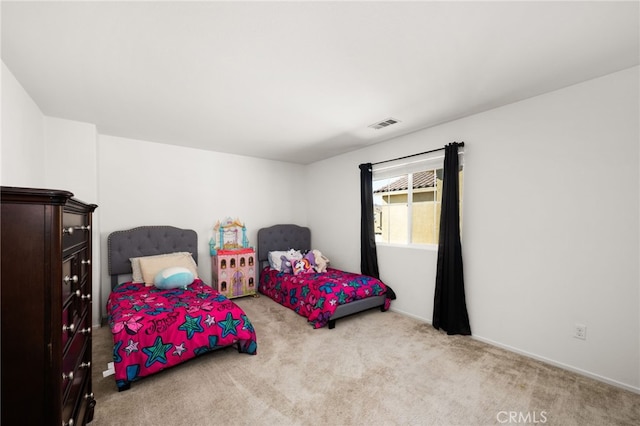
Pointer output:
x,y
407,200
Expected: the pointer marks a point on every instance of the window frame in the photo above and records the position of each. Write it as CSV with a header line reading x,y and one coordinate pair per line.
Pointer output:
x,y
434,162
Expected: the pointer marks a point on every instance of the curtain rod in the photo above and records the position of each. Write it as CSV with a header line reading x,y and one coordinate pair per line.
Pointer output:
x,y
460,144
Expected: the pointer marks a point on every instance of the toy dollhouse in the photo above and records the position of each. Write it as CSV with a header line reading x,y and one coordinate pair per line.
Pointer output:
x,y
233,262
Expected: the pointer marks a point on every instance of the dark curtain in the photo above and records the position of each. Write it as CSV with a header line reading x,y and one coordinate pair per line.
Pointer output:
x,y
368,252
449,305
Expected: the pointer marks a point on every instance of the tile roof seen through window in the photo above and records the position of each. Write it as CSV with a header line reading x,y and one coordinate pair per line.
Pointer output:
x,y
426,179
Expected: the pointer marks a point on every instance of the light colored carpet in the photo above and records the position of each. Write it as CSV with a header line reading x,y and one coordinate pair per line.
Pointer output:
x,y
372,369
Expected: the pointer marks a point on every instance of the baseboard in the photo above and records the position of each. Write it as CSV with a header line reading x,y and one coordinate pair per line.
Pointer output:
x,y
559,364
537,357
407,314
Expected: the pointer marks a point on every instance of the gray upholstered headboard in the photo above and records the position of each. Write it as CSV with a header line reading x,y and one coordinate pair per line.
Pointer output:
x,y
282,237
146,241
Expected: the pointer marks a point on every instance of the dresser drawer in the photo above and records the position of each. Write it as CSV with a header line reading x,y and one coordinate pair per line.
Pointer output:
x,y
75,229
70,323
84,263
76,388
69,279
83,298
76,280
72,361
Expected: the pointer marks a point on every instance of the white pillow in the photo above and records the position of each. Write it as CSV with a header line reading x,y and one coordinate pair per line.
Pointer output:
x,y
275,261
135,264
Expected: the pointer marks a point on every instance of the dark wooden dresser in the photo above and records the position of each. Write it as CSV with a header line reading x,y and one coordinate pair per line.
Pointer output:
x,y
46,308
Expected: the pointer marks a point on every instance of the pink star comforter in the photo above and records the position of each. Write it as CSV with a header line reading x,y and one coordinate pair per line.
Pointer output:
x,y
156,329
316,296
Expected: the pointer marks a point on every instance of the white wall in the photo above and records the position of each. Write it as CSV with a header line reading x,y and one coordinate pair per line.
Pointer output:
x,y
22,148
43,152
146,183
71,164
551,229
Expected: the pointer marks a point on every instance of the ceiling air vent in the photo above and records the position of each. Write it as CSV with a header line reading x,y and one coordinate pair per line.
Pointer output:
x,y
386,123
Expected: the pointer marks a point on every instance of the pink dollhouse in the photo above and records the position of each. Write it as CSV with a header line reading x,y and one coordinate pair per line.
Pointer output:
x,y
233,262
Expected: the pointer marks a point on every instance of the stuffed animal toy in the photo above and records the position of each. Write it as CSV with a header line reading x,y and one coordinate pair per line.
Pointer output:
x,y
321,261
294,254
309,257
286,265
302,266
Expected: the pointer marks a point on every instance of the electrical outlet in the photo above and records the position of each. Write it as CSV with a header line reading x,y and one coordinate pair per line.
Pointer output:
x,y
580,332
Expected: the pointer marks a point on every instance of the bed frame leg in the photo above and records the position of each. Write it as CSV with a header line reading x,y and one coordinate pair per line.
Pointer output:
x,y
332,324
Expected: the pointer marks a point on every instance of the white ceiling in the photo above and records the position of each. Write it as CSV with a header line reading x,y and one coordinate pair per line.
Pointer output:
x,y
301,81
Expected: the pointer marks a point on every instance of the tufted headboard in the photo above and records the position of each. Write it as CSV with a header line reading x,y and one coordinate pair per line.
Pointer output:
x,y
282,237
146,241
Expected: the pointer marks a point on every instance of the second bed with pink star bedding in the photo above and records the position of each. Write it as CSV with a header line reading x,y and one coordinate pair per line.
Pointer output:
x,y
299,278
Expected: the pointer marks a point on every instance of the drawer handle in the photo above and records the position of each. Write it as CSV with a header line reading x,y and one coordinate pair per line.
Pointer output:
x,y
69,423
67,376
85,330
68,327
85,364
68,279
86,262
88,395
85,296
71,229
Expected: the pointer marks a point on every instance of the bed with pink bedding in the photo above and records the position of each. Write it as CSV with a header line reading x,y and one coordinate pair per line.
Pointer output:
x,y
321,297
154,328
